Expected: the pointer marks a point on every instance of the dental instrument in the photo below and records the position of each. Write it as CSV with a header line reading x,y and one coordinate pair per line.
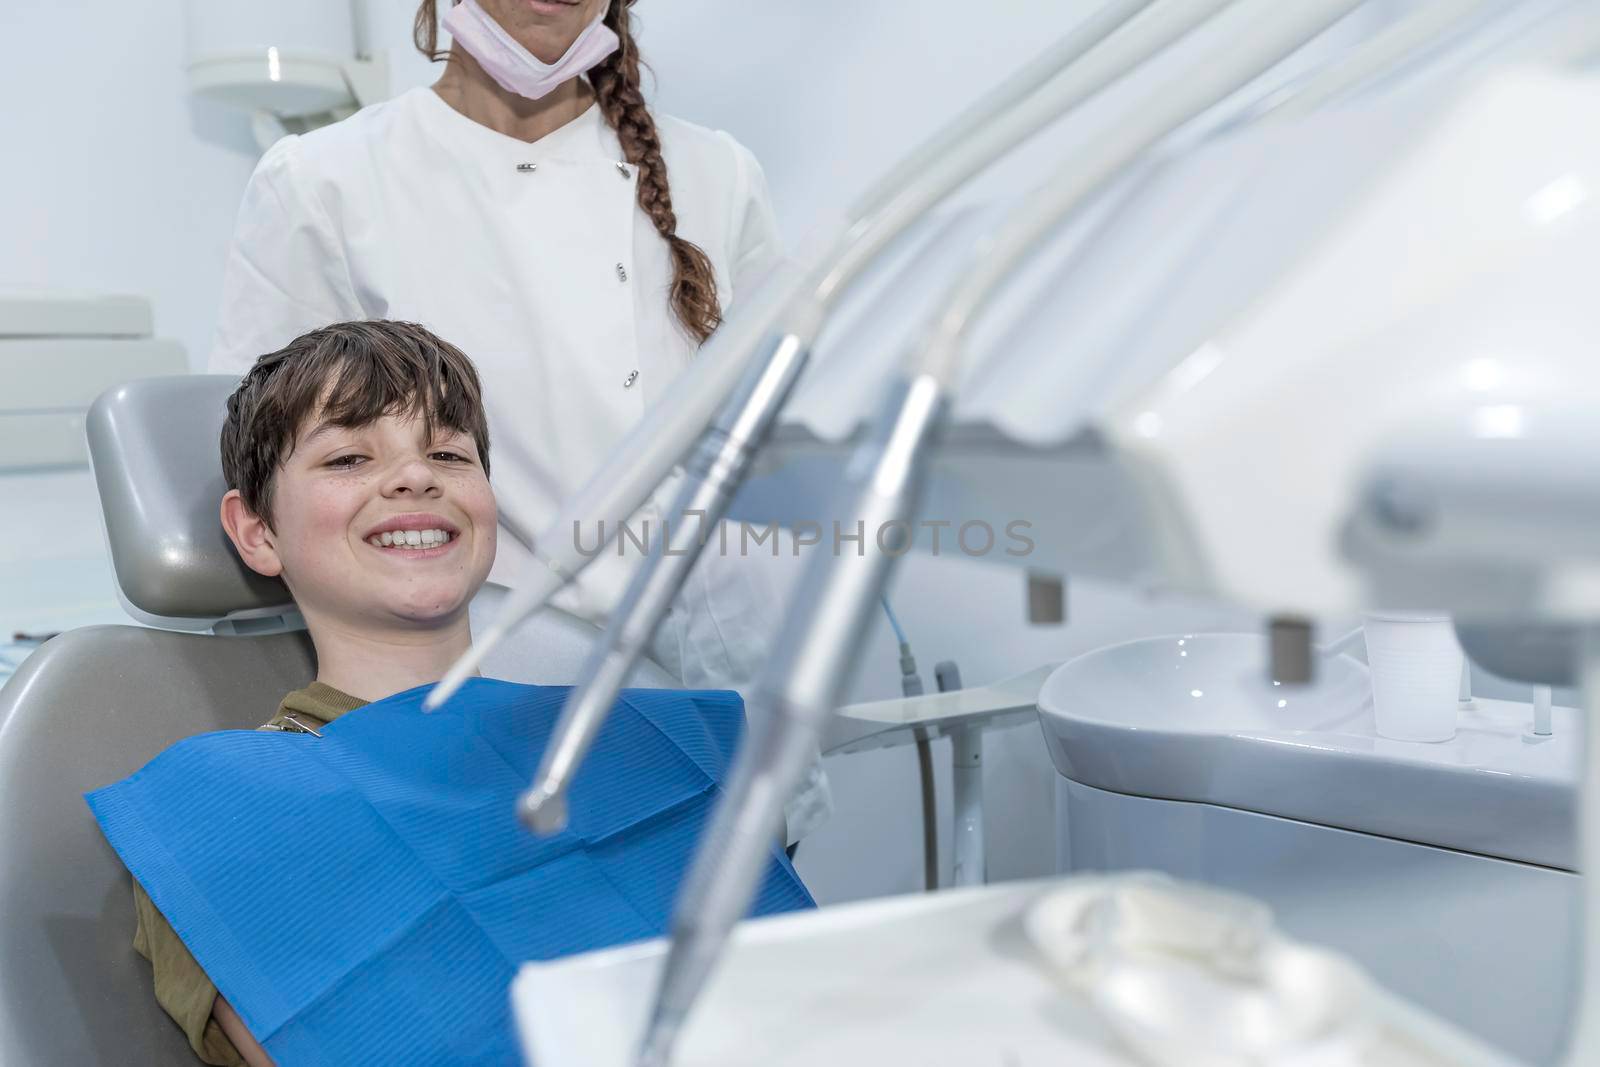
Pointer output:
x,y
1556,199
803,680
1324,544
722,459
783,315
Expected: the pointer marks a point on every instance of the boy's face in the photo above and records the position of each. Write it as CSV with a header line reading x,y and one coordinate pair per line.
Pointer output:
x,y
343,493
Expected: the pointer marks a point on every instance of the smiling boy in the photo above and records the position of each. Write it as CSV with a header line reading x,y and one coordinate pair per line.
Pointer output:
x,y
357,464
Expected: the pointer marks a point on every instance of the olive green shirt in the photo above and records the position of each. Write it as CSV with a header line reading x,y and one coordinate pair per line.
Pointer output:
x,y
181,986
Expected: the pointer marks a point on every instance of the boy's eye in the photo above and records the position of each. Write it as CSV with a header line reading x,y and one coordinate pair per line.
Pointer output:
x,y
345,462
446,456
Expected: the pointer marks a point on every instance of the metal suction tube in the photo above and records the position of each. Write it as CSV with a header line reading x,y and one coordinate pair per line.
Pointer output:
x,y
799,689
823,627
725,454
720,465
796,304
723,460
714,473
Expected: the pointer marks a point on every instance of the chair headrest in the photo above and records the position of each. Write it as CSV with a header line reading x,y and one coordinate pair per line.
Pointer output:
x,y
154,446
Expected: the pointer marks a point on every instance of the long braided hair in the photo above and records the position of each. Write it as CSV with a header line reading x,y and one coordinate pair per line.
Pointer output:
x,y
617,91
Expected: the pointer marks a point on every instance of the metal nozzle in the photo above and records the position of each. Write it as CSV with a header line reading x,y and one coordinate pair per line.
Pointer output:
x,y
543,807
715,470
543,810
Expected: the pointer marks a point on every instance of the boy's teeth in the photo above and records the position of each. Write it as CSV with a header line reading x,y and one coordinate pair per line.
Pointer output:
x,y
410,538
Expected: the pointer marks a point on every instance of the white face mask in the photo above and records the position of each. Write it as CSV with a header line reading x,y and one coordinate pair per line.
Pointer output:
x,y
512,66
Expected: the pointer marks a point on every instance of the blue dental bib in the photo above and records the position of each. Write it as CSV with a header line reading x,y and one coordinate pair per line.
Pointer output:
x,y
366,896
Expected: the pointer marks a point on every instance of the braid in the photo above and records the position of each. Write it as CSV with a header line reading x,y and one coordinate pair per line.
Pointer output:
x,y
425,30
616,86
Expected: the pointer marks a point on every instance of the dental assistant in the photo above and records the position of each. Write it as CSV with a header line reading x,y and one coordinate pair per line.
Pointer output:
x,y
530,208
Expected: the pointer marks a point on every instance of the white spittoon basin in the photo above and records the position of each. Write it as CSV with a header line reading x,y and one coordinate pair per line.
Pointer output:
x,y
1446,869
1195,717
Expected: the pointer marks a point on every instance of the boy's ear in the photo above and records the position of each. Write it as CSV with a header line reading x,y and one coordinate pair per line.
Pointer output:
x,y
250,535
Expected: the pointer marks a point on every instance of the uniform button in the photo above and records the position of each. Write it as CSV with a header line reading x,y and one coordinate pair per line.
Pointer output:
x,y
527,168
622,272
622,169
633,376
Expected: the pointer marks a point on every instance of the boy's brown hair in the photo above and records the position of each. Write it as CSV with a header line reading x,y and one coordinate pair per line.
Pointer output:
x,y
348,374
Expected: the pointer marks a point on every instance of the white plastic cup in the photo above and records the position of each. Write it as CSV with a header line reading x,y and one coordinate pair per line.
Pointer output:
x,y
1416,674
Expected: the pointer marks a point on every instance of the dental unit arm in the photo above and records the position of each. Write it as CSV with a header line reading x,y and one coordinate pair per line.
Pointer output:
x,y
1399,494
823,627
721,461
784,316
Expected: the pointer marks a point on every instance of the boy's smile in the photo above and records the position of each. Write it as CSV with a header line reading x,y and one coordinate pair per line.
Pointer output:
x,y
416,536
383,527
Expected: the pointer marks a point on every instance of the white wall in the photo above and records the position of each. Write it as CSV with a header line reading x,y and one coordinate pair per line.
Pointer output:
x,y
111,179
115,179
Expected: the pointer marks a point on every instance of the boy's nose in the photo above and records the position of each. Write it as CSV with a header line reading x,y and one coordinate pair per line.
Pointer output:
x,y
413,477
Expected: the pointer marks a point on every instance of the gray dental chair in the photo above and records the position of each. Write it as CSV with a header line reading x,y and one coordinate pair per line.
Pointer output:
x,y
94,705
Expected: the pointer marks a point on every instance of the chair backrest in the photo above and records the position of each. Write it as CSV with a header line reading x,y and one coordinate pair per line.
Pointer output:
x,y
154,446
94,705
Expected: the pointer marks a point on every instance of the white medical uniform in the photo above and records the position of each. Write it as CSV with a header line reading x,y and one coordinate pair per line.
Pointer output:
x,y
535,260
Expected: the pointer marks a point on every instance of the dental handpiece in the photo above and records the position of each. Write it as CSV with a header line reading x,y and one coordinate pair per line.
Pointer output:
x,y
724,453
817,650
801,687
712,477
1070,71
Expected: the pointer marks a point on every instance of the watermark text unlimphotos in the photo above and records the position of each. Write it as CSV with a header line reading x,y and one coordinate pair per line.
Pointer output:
x,y
974,537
